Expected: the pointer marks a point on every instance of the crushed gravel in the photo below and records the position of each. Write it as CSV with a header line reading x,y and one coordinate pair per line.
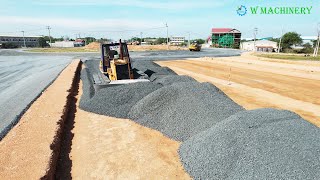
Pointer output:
x,y
117,101
258,144
92,65
183,109
113,101
87,82
220,139
150,68
167,80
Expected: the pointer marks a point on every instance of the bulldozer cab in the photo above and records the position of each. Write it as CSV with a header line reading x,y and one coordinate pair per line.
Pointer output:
x,y
115,61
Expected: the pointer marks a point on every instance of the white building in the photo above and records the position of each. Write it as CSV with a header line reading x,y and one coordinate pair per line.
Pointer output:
x,y
177,40
62,44
259,45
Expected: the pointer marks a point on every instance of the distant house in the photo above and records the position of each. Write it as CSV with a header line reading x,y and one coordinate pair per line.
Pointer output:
x,y
79,43
260,45
66,44
177,40
149,41
225,37
18,41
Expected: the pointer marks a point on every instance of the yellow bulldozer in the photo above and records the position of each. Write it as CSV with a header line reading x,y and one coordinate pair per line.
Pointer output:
x,y
116,65
195,46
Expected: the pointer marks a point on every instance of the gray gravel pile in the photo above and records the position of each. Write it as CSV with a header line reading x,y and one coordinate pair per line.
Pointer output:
x,y
171,79
258,144
88,89
92,65
117,101
167,80
183,109
150,68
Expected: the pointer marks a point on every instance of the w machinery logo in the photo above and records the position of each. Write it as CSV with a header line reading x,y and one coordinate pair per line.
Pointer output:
x,y
268,10
242,10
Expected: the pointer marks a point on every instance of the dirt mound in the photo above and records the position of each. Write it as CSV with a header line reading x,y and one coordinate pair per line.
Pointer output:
x,y
258,144
93,45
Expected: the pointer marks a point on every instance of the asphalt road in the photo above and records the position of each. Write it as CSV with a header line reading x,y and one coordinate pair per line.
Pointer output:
x,y
23,76
175,55
22,79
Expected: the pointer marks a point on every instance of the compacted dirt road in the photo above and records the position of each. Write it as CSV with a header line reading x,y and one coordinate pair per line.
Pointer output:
x,y
107,147
258,82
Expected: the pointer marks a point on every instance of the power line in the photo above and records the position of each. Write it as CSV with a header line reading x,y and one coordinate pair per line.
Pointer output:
x,y
130,30
31,30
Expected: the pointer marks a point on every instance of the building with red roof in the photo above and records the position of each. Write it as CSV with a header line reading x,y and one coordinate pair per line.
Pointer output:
x,y
225,37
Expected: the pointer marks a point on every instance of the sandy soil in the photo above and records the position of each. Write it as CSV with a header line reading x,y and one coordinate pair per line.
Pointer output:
x,y
260,82
27,150
110,148
96,46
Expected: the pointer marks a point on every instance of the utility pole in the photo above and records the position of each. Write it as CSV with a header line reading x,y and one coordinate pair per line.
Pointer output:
x,y
255,31
189,39
280,41
48,27
316,49
167,36
140,38
24,39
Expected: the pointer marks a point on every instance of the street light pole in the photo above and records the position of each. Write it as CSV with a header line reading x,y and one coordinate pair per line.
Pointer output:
x,y
48,27
255,31
316,49
140,38
189,39
24,39
280,41
167,36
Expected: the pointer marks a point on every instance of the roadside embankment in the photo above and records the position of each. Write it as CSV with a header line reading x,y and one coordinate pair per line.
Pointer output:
x,y
104,147
260,82
31,149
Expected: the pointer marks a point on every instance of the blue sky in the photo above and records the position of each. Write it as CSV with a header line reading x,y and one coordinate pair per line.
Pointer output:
x,y
126,18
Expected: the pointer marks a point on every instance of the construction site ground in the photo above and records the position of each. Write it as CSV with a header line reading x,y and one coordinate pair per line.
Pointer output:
x,y
119,149
113,148
255,82
100,147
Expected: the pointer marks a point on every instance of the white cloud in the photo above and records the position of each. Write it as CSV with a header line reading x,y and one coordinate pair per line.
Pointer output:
x,y
167,5
103,24
97,27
